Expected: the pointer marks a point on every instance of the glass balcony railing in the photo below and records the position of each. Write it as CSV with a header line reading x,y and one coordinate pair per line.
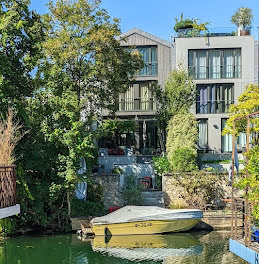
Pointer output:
x,y
136,104
213,107
215,72
149,69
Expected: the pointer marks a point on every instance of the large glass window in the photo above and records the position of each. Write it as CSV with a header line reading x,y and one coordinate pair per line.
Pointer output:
x,y
149,55
214,98
226,141
138,97
215,63
203,133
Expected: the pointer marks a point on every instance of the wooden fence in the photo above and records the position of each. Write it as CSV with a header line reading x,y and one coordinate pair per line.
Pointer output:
x,y
7,186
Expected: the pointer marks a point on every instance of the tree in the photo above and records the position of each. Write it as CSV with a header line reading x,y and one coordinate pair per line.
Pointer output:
x,y
182,132
21,34
179,95
83,68
248,102
84,55
243,17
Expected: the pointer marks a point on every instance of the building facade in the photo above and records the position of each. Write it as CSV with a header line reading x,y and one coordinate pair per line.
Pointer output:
x,y
221,66
138,103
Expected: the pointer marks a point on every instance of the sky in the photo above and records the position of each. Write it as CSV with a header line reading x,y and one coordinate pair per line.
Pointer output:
x,y
158,16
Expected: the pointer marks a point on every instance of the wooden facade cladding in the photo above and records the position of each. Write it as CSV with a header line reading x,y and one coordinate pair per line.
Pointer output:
x,y
140,38
7,186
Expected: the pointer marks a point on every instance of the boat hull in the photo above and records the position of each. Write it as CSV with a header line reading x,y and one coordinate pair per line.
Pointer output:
x,y
144,227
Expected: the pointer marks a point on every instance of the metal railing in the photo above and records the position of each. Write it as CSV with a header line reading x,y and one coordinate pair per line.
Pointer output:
x,y
137,104
215,72
246,231
7,186
213,106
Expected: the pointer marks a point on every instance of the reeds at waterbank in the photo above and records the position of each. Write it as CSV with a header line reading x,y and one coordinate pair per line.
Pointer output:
x,y
9,137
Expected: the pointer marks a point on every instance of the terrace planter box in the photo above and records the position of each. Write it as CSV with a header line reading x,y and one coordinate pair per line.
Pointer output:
x,y
8,196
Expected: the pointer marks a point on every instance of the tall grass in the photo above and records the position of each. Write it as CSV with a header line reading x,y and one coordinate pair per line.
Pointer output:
x,y
9,137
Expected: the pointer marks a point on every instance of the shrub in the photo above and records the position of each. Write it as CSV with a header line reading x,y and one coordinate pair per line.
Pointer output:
x,y
161,166
184,159
86,208
132,191
182,132
94,192
198,188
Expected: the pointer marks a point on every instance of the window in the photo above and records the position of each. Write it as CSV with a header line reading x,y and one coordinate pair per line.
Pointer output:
x,y
226,141
149,55
214,98
138,97
215,63
203,133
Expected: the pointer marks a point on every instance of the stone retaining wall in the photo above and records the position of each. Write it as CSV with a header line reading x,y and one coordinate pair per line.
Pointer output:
x,y
112,191
173,191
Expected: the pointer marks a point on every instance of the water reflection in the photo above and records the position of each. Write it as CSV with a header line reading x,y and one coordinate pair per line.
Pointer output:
x,y
148,247
178,248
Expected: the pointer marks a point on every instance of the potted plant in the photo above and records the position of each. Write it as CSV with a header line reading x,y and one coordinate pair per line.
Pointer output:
x,y
243,20
183,24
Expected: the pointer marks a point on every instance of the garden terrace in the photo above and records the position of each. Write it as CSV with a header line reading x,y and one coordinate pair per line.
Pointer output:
x,y
211,32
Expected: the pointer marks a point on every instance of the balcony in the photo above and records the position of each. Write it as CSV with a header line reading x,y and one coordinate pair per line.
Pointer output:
x,y
8,198
215,72
149,69
137,104
211,32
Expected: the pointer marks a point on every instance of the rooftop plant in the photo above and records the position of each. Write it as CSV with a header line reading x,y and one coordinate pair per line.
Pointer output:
x,y
183,23
192,24
243,17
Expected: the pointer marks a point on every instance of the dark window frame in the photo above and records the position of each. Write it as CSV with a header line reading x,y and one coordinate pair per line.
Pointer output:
x,y
150,63
214,101
193,68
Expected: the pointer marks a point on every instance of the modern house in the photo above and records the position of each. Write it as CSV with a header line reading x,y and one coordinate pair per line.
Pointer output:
x,y
138,103
221,67
8,199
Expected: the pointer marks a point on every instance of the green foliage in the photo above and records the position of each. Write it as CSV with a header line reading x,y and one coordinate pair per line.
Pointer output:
x,y
199,188
183,23
248,102
180,91
179,96
182,132
184,159
94,192
243,17
79,57
161,166
83,53
112,128
21,34
86,208
192,24
252,182
132,191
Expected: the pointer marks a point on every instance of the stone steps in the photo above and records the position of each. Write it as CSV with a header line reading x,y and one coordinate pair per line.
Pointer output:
x,y
154,198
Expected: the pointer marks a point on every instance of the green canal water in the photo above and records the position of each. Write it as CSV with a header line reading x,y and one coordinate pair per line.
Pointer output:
x,y
194,248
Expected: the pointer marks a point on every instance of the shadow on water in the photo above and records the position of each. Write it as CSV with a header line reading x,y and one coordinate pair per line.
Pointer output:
x,y
193,248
